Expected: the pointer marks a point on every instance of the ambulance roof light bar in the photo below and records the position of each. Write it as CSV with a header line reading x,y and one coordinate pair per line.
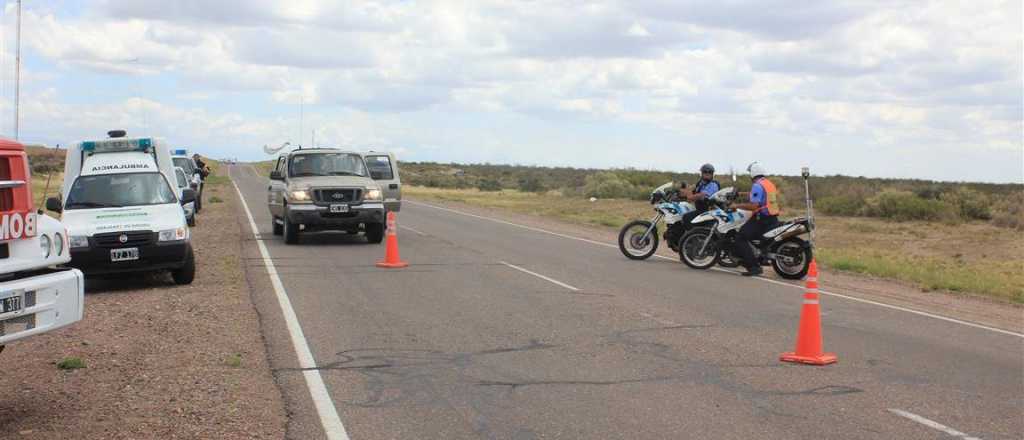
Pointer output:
x,y
116,145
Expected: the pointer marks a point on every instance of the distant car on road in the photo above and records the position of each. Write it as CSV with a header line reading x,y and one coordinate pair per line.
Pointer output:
x,y
325,189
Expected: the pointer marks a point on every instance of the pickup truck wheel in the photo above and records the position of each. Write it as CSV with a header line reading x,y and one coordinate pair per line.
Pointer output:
x,y
374,232
187,273
291,232
276,227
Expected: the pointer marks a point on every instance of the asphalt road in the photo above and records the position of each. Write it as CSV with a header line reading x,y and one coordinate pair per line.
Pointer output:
x,y
498,331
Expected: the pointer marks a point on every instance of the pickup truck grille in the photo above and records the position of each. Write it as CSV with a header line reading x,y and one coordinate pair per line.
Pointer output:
x,y
113,239
338,195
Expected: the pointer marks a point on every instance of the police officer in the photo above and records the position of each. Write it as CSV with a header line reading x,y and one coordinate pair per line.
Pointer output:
x,y
704,189
203,170
764,202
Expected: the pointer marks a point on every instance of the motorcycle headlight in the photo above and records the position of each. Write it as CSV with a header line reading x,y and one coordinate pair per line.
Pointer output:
x,y
45,245
58,243
299,195
373,195
79,241
176,234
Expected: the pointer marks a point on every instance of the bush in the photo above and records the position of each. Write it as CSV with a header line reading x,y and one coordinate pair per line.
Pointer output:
x,y
608,185
488,185
531,184
841,205
906,206
971,204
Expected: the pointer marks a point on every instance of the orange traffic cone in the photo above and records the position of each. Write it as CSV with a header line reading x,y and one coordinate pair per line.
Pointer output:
x,y
808,338
391,258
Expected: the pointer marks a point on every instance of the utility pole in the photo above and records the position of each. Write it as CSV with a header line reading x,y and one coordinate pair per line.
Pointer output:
x,y
17,71
302,102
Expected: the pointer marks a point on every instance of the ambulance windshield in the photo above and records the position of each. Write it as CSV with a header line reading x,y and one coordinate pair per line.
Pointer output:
x,y
119,190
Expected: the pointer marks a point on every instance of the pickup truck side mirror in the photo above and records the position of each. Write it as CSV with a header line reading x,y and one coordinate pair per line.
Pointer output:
x,y
376,175
276,175
53,204
188,195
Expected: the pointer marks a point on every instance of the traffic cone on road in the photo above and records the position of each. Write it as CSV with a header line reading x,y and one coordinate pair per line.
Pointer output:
x,y
391,258
808,338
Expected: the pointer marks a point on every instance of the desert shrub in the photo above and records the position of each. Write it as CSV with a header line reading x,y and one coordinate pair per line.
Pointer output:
x,y
488,185
608,185
1008,211
841,205
906,206
969,203
531,184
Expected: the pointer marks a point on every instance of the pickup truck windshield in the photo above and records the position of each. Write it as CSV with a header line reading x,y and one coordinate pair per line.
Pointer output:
x,y
185,164
119,190
327,164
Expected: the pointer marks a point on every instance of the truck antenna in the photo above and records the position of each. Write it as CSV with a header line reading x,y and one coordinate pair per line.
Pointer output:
x,y
46,189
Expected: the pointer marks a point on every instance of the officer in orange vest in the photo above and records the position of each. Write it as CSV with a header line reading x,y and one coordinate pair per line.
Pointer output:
x,y
764,202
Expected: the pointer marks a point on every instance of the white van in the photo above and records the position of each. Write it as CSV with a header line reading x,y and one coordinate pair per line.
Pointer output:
x,y
184,161
183,184
122,210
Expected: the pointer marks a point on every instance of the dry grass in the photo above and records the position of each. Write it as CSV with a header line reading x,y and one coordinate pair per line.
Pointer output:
x,y
975,257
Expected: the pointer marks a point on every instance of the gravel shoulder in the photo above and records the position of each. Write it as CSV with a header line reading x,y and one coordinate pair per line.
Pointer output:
x,y
161,361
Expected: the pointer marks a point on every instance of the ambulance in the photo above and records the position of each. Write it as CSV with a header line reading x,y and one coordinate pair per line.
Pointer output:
x,y
122,209
37,294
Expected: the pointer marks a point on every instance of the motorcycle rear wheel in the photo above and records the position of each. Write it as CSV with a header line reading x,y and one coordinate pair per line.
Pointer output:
x,y
793,259
690,246
631,241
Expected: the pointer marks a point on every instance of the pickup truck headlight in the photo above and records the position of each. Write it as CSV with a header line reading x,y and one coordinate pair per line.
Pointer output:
x,y
45,245
79,241
177,234
299,195
373,195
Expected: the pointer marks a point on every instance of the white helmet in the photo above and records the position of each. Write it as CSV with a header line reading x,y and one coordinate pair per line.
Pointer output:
x,y
756,169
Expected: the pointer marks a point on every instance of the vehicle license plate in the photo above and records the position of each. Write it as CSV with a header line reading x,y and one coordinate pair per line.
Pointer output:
x,y
13,302
339,208
126,254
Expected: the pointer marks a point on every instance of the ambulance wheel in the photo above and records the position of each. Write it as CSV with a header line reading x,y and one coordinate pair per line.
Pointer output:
x,y
187,273
276,227
291,232
374,232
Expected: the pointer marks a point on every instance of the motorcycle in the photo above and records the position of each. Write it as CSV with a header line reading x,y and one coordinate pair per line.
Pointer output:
x,y
638,239
782,248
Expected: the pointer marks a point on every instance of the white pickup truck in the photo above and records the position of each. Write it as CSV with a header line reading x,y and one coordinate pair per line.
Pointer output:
x,y
37,294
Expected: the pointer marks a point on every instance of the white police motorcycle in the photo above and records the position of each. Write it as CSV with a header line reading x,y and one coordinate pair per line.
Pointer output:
x,y
702,247
638,239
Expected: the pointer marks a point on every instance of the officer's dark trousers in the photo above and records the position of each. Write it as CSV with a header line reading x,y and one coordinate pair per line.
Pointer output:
x,y
753,230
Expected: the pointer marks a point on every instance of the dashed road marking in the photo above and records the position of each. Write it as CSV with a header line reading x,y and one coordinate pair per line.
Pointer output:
x,y
931,424
329,419
545,278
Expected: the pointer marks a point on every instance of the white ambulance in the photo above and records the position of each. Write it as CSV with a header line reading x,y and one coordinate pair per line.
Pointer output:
x,y
122,209
36,294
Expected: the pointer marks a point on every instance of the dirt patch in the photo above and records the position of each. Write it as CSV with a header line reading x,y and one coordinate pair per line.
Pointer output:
x,y
161,361
973,308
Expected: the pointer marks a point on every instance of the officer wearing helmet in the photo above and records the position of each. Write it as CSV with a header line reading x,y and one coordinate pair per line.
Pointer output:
x,y
764,203
704,189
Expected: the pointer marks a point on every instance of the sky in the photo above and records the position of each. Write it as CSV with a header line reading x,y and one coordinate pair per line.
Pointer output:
x,y
913,89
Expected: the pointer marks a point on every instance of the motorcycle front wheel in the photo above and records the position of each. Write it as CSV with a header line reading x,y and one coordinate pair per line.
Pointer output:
x,y
792,259
632,242
690,249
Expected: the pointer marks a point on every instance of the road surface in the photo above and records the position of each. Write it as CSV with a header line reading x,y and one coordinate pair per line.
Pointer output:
x,y
499,331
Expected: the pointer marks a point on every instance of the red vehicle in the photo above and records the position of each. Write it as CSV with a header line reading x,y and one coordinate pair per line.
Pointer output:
x,y
37,294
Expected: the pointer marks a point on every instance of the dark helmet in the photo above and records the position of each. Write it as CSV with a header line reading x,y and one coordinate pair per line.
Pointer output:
x,y
707,168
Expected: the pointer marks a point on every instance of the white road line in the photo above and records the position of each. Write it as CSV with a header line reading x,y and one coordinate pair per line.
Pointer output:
x,y
411,229
552,280
931,424
823,292
333,427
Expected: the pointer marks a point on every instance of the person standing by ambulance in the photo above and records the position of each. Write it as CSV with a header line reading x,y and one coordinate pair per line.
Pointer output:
x,y
764,203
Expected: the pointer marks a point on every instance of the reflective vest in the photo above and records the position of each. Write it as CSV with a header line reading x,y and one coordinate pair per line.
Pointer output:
x,y
771,198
